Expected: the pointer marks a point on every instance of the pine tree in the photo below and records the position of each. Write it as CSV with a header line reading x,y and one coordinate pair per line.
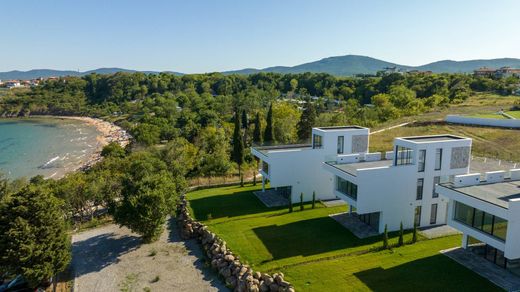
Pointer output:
x,y
257,131
385,238
414,234
33,236
301,202
401,234
238,147
307,121
313,200
268,133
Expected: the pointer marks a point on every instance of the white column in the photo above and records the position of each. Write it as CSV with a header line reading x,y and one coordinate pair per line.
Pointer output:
x,y
464,241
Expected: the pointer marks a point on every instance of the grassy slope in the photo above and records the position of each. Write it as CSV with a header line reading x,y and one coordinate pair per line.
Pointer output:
x,y
316,253
515,114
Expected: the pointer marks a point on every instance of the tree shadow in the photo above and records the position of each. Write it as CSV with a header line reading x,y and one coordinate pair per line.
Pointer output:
x,y
230,205
308,237
434,273
194,249
95,253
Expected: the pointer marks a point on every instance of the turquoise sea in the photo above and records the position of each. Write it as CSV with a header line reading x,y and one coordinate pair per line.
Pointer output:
x,y
44,146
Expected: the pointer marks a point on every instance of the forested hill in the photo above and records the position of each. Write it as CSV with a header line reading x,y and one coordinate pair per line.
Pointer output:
x,y
348,65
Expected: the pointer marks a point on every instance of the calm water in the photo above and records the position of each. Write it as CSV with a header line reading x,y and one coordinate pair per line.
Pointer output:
x,y
49,147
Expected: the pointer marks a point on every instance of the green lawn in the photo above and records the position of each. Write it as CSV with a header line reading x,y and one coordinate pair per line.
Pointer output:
x,y
489,116
317,254
515,114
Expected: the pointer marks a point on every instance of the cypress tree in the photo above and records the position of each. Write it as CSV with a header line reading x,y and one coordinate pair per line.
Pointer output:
x,y
245,121
268,133
290,204
401,234
385,238
307,121
301,201
33,236
414,234
238,147
257,131
313,200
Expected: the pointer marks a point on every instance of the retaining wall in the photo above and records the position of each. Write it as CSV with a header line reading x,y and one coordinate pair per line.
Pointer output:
x,y
503,123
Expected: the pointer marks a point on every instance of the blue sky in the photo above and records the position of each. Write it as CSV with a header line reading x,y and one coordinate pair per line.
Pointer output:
x,y
203,36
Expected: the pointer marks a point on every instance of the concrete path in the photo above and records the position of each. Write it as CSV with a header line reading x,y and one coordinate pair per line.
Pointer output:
x,y
392,127
110,258
498,276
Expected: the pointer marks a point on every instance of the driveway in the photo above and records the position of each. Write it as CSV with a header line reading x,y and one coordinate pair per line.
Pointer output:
x,y
110,258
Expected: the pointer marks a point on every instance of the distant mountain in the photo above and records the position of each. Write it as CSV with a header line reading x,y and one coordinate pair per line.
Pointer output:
x,y
46,73
341,66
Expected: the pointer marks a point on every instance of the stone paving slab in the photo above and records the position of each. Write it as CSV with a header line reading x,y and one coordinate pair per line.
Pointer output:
x,y
272,198
352,223
439,231
333,203
497,275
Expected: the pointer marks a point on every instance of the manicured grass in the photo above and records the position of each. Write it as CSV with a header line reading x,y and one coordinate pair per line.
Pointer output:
x,y
316,253
489,116
515,114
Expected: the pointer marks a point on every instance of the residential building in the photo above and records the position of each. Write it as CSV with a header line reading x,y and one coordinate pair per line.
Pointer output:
x,y
398,186
297,169
502,72
486,208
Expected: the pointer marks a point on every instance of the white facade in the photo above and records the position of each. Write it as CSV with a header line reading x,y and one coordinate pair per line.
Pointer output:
x,y
389,189
497,196
299,166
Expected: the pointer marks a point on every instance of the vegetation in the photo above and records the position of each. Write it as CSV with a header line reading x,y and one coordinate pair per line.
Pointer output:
x,y
400,242
270,240
385,238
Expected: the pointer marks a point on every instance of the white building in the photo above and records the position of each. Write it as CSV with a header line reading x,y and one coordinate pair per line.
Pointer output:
x,y
399,185
486,208
298,168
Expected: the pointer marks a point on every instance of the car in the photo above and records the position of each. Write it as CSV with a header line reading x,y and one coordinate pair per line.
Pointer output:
x,y
19,284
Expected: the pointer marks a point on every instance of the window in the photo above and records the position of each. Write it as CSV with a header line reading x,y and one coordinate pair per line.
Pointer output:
x,y
347,188
417,219
438,158
420,186
341,142
265,167
403,155
481,220
433,215
422,159
436,181
316,141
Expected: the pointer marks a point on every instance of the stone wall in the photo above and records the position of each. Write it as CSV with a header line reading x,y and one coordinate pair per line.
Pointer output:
x,y
459,157
238,276
359,143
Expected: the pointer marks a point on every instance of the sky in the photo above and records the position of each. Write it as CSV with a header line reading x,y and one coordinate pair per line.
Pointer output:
x,y
196,36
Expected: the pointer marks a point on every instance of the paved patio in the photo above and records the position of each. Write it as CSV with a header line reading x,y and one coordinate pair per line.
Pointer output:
x,y
272,198
352,223
486,269
438,231
333,203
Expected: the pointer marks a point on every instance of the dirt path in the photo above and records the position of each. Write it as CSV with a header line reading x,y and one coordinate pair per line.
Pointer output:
x,y
110,258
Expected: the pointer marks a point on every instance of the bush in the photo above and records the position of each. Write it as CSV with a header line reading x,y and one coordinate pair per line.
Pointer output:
x,y
313,200
301,202
385,238
401,234
414,236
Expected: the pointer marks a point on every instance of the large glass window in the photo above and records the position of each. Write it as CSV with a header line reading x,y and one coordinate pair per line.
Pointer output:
x,y
417,219
316,141
420,188
478,219
438,159
436,181
403,155
433,214
422,160
347,188
341,144
265,167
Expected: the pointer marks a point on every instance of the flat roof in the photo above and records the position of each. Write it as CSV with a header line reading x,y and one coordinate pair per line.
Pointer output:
x,y
495,193
434,138
341,128
352,168
267,149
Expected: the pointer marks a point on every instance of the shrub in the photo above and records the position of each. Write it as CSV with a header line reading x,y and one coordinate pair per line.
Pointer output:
x,y
385,238
313,200
401,233
290,205
301,202
414,235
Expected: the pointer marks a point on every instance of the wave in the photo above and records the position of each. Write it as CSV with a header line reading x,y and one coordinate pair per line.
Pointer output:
x,y
49,163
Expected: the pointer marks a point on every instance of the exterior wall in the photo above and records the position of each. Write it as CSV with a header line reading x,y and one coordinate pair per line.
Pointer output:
x,y
509,123
512,250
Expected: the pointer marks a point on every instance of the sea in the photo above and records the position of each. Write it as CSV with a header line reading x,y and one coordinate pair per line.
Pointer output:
x,y
44,146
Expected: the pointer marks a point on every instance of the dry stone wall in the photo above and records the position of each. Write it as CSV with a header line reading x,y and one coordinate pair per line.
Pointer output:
x,y
238,276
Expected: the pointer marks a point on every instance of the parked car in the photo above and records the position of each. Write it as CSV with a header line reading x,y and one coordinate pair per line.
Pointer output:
x,y
20,284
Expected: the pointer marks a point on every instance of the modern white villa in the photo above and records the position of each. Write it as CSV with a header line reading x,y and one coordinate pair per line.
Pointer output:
x,y
486,208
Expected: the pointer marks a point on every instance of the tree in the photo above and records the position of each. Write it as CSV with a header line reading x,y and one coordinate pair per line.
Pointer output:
x,y
113,149
33,236
401,234
385,237
245,121
301,202
307,121
414,234
238,147
285,119
290,204
313,200
268,133
257,131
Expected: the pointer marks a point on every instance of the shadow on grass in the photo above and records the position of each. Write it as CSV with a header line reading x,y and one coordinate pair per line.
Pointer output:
x,y
95,253
230,205
308,237
434,273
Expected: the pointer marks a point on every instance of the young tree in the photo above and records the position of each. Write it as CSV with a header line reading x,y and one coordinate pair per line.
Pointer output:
x,y
257,131
268,133
301,202
238,147
414,234
290,205
401,235
33,237
245,121
307,120
313,200
385,237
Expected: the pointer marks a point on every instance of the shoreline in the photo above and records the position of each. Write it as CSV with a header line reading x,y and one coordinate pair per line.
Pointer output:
x,y
107,132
